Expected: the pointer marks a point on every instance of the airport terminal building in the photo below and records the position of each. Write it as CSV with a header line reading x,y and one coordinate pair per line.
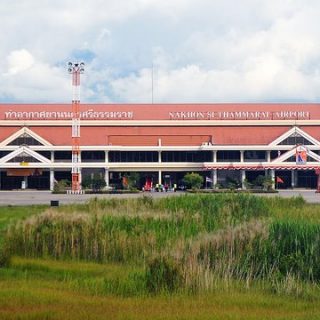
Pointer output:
x,y
162,142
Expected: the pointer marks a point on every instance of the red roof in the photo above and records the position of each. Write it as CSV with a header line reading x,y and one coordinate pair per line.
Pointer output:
x,y
169,135
100,136
175,111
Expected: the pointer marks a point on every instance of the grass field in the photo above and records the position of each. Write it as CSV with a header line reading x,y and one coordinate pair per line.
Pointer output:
x,y
190,257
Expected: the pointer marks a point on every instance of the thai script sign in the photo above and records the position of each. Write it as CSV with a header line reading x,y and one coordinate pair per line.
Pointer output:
x,y
66,115
91,114
239,115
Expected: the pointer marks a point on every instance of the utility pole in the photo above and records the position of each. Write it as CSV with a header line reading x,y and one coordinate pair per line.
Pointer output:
x,y
75,69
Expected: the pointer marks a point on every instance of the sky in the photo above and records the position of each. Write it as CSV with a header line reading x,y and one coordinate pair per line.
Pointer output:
x,y
165,51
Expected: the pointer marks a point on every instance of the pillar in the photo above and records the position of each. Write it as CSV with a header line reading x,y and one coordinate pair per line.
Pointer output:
x,y
106,176
214,177
25,179
241,156
106,156
268,156
272,173
159,156
160,177
243,178
214,156
293,184
51,179
80,177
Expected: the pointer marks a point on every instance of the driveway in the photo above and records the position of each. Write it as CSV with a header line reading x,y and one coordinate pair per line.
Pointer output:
x,y
18,198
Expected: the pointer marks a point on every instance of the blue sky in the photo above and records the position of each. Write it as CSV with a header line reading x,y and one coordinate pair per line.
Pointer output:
x,y
201,51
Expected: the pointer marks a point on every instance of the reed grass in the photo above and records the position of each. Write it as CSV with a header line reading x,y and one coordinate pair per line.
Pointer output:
x,y
191,242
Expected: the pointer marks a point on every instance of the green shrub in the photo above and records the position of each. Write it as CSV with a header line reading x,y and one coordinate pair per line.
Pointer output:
x,y
163,274
95,183
193,180
61,186
5,257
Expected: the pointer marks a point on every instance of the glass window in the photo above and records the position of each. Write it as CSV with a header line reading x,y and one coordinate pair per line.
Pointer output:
x,y
228,156
25,139
92,156
186,156
295,139
255,155
133,156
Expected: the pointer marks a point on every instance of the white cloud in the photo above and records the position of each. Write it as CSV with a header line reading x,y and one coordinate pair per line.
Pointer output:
x,y
202,51
18,61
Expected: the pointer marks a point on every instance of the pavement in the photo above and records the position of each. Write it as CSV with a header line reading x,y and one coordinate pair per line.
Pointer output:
x,y
27,197
35,197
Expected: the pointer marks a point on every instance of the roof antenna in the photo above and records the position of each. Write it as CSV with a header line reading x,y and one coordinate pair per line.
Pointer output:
x,y
152,83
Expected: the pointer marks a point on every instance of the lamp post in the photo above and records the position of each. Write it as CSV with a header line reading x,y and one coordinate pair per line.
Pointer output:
x,y
75,69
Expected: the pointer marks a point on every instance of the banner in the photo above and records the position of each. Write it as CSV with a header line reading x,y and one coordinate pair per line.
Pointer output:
x,y
301,155
23,172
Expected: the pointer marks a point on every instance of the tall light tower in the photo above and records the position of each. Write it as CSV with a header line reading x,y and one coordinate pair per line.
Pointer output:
x,y
75,69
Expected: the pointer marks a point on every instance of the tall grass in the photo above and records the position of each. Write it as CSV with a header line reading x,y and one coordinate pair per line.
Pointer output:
x,y
127,230
189,242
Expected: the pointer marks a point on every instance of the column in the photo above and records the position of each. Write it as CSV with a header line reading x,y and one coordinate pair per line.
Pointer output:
x,y
214,155
272,173
25,179
214,177
160,177
51,179
106,176
106,170
80,169
80,177
243,178
159,157
268,156
241,156
293,179
52,172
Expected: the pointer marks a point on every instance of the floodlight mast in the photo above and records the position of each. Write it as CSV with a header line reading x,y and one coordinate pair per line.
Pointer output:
x,y
75,69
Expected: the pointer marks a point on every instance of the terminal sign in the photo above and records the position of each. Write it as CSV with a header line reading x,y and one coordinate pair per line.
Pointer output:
x,y
239,115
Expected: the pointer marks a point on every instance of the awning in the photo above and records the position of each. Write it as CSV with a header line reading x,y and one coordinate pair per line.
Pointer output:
x,y
262,167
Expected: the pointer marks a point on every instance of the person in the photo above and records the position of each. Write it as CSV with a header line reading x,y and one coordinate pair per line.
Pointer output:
x,y
174,187
157,187
166,187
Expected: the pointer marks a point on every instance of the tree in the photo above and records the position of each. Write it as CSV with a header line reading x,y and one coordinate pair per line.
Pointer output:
x,y
265,182
95,182
132,181
193,180
61,186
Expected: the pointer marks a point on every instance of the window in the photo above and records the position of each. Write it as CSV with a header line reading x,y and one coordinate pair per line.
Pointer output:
x,y
295,139
62,156
93,156
228,156
23,157
133,156
254,155
186,156
25,139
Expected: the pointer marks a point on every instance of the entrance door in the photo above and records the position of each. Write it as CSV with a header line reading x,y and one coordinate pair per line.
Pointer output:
x,y
307,179
10,182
